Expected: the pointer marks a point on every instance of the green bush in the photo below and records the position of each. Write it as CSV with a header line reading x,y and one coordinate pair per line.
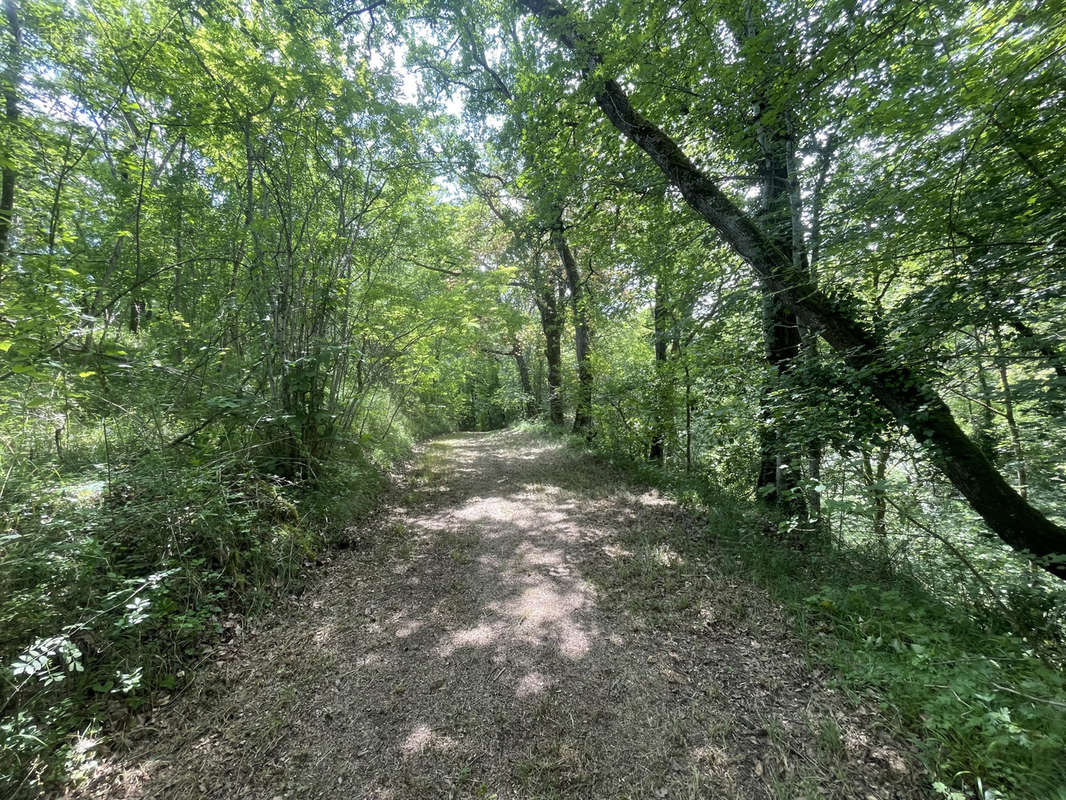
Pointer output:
x,y
987,709
109,592
973,675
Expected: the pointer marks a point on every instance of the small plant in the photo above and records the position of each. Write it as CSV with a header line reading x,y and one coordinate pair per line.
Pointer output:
x,y
105,602
977,685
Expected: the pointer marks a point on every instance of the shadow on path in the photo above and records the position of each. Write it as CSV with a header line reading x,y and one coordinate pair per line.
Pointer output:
x,y
518,627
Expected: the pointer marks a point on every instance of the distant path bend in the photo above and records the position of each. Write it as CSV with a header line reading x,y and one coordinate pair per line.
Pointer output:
x,y
521,624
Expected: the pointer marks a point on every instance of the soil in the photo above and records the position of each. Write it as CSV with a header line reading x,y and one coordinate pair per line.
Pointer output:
x,y
519,623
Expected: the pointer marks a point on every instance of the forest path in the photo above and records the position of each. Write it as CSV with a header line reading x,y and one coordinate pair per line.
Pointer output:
x,y
520,624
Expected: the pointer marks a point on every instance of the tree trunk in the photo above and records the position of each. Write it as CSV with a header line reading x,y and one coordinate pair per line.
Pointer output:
x,y
779,469
805,256
688,418
138,304
583,404
539,378
551,321
657,451
874,476
909,397
179,241
1008,412
11,116
778,463
523,379
984,425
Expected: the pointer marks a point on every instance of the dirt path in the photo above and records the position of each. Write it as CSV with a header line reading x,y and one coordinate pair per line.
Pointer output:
x,y
521,625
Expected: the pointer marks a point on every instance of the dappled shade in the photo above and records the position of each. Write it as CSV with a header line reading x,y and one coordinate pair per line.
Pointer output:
x,y
508,641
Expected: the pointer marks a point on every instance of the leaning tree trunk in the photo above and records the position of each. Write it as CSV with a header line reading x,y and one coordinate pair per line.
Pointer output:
x,y
583,404
908,396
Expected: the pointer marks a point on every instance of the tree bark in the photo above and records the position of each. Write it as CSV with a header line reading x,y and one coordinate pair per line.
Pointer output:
x,y
11,116
909,397
984,425
523,379
657,451
583,404
806,248
779,469
873,477
551,321
1008,412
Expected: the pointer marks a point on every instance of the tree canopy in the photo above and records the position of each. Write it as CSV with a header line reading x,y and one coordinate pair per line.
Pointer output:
x,y
805,257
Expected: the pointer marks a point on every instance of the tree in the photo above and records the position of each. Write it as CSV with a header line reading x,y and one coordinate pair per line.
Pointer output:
x,y
12,56
579,307
904,392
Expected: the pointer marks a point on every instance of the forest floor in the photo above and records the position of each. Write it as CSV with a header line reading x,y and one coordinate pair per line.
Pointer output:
x,y
520,622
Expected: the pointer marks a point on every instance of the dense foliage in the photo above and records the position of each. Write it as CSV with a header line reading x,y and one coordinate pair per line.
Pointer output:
x,y
802,260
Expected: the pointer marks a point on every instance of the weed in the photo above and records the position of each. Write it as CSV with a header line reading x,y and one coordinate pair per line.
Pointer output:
x,y
114,582
980,691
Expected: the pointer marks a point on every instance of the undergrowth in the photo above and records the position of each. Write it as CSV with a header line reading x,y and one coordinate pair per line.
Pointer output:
x,y
978,688
116,581
984,706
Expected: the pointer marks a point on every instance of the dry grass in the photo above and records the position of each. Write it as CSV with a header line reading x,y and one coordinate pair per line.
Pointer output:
x,y
521,625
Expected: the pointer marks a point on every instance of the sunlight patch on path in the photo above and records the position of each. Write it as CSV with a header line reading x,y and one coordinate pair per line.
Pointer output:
x,y
424,738
507,632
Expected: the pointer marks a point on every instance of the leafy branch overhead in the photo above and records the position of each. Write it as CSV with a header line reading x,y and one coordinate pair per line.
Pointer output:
x,y
801,264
